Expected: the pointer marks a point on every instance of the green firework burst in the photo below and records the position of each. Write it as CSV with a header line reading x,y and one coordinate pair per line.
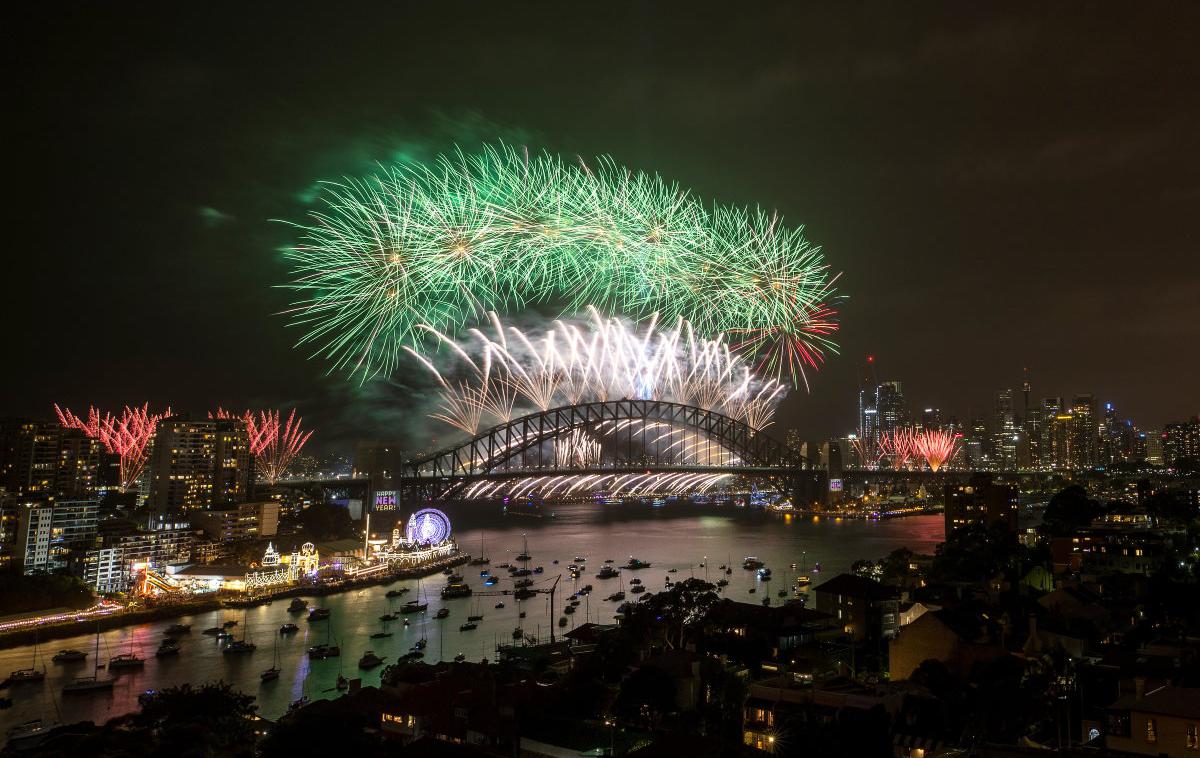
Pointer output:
x,y
440,244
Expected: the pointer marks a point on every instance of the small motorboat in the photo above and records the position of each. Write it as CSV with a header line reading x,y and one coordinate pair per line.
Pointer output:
x,y
297,606
673,571
442,613
475,617
562,620
229,624
238,647
635,564
166,649
637,589
389,617
460,658
381,635
318,614
369,660
406,622
569,609
269,675
521,614
414,606
580,559
500,604
289,629
69,656
751,590
470,626
752,563
616,597
722,582
420,644
398,592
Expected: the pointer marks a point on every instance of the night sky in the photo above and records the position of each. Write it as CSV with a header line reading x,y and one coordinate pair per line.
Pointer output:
x,y
1000,190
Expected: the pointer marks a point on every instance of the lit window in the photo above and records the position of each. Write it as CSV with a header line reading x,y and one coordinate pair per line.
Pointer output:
x,y
1151,731
1193,737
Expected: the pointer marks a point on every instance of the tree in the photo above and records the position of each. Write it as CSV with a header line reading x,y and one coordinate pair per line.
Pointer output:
x,y
676,609
1068,510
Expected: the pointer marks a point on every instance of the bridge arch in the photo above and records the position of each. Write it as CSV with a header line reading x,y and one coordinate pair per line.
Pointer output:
x,y
488,451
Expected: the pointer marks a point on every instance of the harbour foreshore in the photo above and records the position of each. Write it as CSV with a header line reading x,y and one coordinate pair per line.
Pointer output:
x,y
141,615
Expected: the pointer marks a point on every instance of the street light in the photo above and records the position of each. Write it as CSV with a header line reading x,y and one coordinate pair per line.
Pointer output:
x,y
612,728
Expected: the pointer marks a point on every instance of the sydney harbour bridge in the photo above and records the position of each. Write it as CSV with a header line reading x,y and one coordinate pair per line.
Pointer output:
x,y
623,447
634,447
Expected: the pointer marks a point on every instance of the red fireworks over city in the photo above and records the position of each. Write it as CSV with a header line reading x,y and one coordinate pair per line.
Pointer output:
x,y
274,442
127,436
936,447
898,446
905,447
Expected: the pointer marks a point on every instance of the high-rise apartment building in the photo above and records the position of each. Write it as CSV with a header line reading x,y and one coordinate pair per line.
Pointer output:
x,y
47,532
44,460
199,464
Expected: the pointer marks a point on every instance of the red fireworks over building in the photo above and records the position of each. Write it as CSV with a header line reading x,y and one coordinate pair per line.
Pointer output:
x,y
898,446
127,436
936,447
274,442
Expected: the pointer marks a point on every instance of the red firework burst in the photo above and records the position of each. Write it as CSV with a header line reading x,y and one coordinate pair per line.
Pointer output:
x,y
936,447
127,436
899,445
274,442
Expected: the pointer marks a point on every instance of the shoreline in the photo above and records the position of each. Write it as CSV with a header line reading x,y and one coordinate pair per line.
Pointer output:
x,y
118,620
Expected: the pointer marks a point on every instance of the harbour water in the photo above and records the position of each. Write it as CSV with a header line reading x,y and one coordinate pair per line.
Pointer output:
x,y
668,538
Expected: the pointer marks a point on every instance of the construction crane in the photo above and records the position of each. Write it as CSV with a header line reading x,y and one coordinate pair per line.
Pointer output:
x,y
534,590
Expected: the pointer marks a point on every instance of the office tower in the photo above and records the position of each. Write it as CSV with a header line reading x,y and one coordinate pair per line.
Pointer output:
x,y
1154,447
199,464
889,407
931,419
1084,432
1111,448
1180,441
976,445
1035,430
47,532
1004,431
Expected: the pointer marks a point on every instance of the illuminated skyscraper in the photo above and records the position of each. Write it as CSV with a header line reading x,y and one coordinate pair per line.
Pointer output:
x,y
889,405
1084,433
1004,432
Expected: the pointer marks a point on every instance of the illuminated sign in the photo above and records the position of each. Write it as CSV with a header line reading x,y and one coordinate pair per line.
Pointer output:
x,y
385,500
835,485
